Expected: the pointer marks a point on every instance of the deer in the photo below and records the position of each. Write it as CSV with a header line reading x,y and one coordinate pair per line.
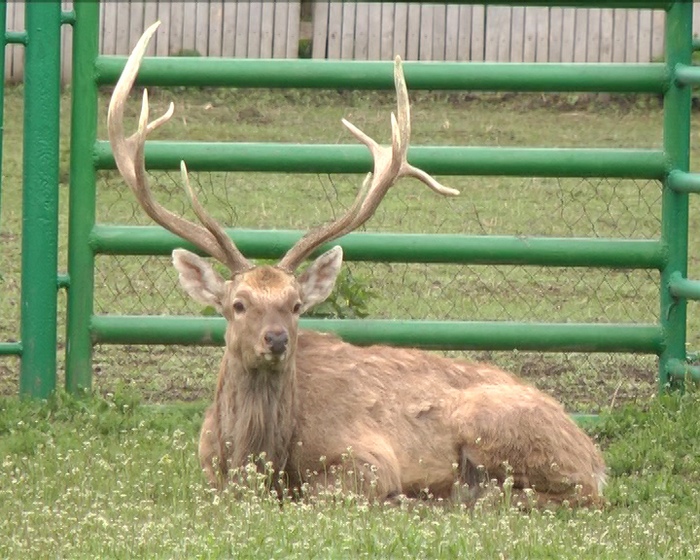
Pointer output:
x,y
303,404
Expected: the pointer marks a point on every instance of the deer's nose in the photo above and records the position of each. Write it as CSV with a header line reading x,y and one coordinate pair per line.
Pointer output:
x,y
277,341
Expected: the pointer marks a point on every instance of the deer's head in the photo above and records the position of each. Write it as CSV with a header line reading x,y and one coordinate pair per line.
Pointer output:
x,y
261,304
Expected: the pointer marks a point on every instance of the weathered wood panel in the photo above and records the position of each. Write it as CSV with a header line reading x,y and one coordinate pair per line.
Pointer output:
x,y
244,29
482,32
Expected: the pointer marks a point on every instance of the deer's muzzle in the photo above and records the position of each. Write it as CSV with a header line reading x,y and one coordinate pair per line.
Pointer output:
x,y
277,340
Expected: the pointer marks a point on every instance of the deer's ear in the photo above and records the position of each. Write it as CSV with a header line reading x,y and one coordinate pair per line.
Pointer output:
x,y
318,280
199,279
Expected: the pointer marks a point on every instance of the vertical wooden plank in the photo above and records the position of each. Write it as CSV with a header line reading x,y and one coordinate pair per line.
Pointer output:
x,y
413,32
478,48
228,30
123,24
150,16
438,32
293,25
109,27
568,31
696,19
66,46
593,36
321,31
348,33
556,22
644,45
619,38
580,34
320,27
163,35
335,29
241,44
361,31
464,33
517,34
17,51
189,31
387,40
361,43
632,36
254,28
607,27
177,18
200,26
135,25
267,30
452,32
374,31
542,48
530,34
279,34
216,28
9,22
497,33
425,49
658,38
101,38
400,29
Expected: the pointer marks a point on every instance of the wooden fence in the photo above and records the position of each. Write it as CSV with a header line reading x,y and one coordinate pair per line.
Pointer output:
x,y
369,31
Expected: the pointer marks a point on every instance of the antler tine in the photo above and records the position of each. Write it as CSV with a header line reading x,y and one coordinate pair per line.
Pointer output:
x,y
129,157
390,164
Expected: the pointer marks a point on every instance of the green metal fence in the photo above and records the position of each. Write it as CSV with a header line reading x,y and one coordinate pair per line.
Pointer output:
x,y
89,239
40,280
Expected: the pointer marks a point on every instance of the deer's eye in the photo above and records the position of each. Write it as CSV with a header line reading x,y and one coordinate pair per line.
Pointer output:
x,y
238,307
297,307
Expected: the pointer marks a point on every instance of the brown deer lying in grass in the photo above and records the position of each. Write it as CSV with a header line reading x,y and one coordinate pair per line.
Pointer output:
x,y
409,421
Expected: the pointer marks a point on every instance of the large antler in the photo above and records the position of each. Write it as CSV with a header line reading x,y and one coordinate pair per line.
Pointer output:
x,y
390,164
129,157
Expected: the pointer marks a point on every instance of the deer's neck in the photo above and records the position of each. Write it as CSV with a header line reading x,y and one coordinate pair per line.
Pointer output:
x,y
256,411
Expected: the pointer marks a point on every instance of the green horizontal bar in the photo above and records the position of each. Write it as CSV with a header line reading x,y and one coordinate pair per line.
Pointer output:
x,y
16,37
63,281
393,247
68,17
681,370
442,335
354,74
443,160
10,348
683,288
680,181
687,75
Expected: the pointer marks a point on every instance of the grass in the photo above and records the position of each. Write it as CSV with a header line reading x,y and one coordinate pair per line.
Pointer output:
x,y
112,478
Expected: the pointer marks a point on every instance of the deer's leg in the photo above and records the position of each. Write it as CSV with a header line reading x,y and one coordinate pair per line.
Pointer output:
x,y
210,449
521,436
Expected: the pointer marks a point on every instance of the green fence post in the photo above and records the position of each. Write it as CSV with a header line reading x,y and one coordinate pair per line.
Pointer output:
x,y
674,224
3,29
81,261
42,82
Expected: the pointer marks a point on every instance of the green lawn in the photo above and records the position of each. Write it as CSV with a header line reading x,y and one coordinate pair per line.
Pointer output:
x,y
112,478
